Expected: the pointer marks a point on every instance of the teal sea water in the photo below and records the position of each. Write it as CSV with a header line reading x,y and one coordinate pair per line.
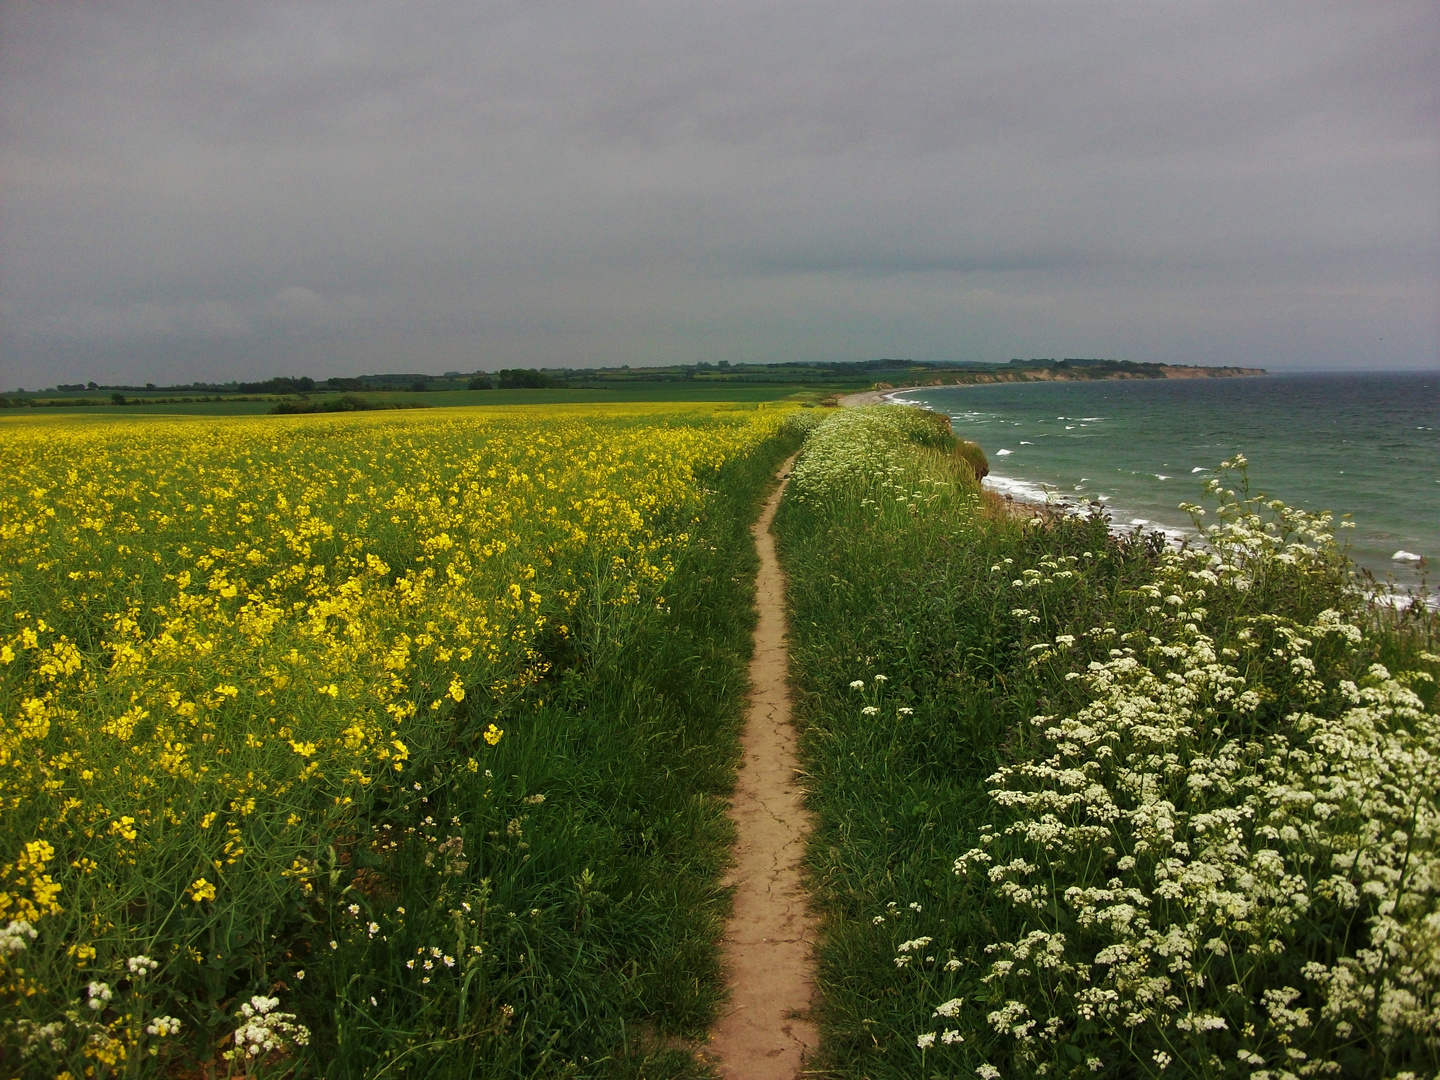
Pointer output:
x,y
1365,445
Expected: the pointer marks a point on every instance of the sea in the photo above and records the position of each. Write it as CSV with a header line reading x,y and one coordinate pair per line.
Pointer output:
x,y
1366,445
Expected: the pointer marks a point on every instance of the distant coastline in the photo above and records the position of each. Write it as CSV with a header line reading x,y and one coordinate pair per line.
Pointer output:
x,y
1058,372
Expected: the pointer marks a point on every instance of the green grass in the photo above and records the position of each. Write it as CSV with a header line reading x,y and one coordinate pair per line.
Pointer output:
x,y
877,590
899,568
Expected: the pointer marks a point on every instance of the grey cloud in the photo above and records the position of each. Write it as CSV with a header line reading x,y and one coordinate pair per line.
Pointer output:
x,y
295,305
144,320
349,184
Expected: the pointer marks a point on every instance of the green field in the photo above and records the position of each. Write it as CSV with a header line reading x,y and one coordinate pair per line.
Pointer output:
x,y
619,394
639,391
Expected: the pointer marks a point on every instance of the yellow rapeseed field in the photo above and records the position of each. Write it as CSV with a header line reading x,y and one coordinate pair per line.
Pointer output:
x,y
220,636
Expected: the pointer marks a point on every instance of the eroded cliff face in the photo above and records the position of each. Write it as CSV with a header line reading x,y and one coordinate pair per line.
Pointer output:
x,y
1181,371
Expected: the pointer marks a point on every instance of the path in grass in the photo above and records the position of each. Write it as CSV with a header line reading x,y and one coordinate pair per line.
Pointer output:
x,y
766,1032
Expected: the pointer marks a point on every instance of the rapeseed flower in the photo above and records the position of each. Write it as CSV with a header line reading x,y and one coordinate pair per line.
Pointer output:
x,y
220,639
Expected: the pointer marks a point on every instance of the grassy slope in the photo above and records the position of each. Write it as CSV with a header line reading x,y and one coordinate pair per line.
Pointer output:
x,y
882,591
879,588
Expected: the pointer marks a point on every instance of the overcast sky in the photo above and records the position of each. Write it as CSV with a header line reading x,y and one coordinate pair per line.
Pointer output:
x,y
233,190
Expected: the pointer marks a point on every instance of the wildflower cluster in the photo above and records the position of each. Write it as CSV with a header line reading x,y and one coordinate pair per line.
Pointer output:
x,y
263,1029
1226,855
865,442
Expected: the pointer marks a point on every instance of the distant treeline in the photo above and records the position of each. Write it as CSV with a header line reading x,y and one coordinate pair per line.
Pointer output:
x,y
344,403
518,379
118,398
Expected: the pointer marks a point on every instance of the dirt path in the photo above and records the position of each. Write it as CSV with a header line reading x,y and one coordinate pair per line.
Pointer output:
x,y
766,1033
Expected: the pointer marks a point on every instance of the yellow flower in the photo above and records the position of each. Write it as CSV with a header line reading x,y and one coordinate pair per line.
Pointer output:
x,y
493,735
124,827
201,889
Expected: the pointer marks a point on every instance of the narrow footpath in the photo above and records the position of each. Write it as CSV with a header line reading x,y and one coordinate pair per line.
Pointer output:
x,y
766,1032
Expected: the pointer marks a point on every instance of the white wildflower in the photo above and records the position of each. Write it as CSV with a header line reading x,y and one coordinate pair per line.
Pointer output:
x,y
13,938
163,1026
264,1029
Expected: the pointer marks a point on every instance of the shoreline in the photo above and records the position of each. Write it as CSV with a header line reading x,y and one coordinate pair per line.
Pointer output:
x,y
1019,493
1020,496
1385,554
